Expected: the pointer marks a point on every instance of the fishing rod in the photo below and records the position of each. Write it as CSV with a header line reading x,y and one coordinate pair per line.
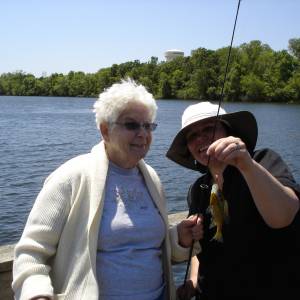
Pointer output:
x,y
215,123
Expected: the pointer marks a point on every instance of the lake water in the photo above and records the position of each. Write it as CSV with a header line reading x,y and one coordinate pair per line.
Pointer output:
x,y
37,134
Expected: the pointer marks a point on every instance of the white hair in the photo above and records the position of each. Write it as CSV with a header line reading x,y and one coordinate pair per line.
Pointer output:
x,y
114,100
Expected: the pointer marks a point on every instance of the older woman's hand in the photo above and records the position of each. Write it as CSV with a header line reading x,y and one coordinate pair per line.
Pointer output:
x,y
190,230
187,290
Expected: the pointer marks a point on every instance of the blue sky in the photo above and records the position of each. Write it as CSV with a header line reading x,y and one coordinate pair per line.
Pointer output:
x,y
48,36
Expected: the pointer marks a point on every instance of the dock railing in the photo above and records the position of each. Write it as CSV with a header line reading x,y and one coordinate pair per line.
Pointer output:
x,y
6,261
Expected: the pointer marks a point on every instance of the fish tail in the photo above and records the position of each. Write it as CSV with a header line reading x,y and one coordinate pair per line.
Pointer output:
x,y
218,235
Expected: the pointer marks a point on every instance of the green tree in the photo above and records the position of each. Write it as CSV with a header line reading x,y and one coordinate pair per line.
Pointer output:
x,y
165,89
292,89
256,73
253,88
294,47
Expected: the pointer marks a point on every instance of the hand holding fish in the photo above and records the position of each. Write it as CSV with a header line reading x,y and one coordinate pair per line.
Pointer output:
x,y
190,230
276,203
228,151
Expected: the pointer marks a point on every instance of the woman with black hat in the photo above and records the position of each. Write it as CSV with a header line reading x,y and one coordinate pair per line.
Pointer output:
x,y
250,206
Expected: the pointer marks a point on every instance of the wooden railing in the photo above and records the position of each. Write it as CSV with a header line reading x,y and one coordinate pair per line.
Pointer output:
x,y
6,261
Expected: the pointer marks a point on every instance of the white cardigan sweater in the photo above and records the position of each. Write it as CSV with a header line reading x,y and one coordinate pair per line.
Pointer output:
x,y
56,255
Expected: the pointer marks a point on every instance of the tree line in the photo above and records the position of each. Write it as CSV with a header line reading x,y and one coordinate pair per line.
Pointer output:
x,y
256,73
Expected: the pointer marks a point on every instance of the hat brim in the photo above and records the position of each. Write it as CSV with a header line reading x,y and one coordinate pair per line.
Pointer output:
x,y
242,124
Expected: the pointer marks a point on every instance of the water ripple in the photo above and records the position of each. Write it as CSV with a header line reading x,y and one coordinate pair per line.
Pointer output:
x,y
51,131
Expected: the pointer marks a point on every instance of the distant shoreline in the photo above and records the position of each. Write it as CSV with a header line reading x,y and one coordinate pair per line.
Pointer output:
x,y
170,99
255,72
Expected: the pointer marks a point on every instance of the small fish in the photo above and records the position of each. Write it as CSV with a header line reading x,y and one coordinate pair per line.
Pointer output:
x,y
218,207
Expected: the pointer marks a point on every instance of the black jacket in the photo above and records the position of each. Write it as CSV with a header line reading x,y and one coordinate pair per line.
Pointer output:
x,y
254,261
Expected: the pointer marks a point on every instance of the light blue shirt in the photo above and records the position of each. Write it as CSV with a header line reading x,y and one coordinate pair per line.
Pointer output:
x,y
131,233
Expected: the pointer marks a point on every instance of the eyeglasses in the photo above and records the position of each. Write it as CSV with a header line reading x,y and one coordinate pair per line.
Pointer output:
x,y
206,131
135,126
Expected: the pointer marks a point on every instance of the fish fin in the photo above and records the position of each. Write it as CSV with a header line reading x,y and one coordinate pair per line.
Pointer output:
x,y
218,235
212,224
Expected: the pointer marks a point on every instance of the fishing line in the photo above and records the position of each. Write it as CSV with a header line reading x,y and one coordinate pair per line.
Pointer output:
x,y
225,78
216,121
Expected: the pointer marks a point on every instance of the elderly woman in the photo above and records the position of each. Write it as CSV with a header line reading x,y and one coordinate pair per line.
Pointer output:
x,y
99,227
249,201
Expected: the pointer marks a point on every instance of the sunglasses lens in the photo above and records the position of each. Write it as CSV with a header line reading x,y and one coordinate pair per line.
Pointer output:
x,y
149,126
132,125
137,126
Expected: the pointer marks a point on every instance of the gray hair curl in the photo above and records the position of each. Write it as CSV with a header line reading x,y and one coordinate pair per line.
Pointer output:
x,y
114,100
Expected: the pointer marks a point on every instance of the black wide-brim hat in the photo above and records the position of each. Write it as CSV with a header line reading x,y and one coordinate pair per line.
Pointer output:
x,y
241,124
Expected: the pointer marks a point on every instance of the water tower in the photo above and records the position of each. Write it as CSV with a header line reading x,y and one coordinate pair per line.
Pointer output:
x,y
171,54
